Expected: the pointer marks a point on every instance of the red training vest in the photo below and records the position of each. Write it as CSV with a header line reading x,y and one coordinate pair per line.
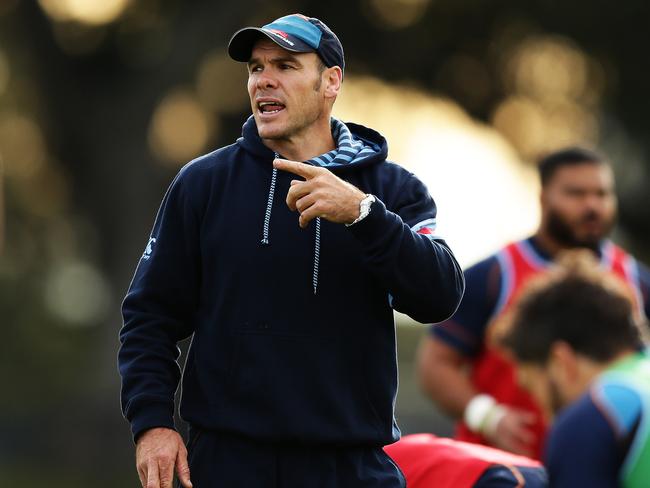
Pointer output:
x,y
428,461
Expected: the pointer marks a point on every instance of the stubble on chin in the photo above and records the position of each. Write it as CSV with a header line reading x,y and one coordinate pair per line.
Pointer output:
x,y
563,232
270,131
273,135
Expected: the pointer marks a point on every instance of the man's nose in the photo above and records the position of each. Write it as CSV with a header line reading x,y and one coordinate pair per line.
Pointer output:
x,y
266,80
594,203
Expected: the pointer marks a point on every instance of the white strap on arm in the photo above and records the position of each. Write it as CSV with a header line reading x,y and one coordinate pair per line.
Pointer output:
x,y
483,414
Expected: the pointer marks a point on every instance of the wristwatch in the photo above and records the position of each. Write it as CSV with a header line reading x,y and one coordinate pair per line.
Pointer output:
x,y
364,208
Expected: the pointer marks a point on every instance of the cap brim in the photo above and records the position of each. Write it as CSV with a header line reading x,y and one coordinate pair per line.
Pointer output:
x,y
242,42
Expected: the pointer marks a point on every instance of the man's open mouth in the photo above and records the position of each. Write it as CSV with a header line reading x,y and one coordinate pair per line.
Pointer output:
x,y
270,107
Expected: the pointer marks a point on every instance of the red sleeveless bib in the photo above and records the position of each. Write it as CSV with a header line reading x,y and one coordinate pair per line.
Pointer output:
x,y
428,461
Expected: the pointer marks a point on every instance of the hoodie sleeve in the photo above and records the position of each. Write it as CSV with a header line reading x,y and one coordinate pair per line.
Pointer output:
x,y
157,313
419,270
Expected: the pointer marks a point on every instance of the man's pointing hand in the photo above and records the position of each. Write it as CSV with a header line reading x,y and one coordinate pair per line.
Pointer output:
x,y
321,194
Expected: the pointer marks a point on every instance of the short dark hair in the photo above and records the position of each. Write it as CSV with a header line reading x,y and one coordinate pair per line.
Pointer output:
x,y
581,304
570,156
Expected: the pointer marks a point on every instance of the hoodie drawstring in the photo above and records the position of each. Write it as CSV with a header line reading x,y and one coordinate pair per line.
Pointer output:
x,y
267,223
269,207
314,279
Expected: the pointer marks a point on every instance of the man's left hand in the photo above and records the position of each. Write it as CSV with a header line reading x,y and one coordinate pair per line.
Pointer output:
x,y
322,194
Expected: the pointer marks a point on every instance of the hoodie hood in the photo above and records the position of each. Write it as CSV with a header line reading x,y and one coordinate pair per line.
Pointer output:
x,y
357,146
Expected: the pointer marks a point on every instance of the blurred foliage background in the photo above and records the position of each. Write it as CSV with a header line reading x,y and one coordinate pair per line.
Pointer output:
x,y
102,101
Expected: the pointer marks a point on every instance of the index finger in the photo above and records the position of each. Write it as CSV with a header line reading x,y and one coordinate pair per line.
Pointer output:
x,y
307,171
153,477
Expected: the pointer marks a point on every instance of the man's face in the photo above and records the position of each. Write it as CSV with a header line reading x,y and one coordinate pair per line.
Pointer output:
x,y
579,205
285,89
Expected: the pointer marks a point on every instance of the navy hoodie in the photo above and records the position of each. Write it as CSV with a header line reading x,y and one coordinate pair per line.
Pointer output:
x,y
293,336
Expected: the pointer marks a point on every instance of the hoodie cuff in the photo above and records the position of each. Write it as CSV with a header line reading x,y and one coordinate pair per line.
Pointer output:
x,y
154,415
374,226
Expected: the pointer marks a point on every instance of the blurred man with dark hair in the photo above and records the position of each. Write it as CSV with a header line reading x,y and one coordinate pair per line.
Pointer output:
x,y
459,367
578,349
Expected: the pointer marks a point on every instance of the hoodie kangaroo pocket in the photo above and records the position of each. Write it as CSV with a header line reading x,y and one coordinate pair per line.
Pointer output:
x,y
298,387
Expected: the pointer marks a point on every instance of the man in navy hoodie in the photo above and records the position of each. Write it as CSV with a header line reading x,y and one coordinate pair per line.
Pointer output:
x,y
283,255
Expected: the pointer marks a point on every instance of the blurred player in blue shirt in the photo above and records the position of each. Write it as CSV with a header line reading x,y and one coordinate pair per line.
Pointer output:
x,y
576,337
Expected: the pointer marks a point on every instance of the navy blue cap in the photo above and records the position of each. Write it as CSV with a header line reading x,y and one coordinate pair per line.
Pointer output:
x,y
296,33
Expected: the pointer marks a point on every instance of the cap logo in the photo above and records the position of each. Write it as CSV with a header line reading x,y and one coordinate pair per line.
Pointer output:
x,y
294,32
281,35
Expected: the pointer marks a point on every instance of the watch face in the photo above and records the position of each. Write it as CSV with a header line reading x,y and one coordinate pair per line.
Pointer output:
x,y
365,205
364,208
367,202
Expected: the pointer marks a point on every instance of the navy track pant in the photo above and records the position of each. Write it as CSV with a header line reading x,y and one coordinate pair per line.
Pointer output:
x,y
219,460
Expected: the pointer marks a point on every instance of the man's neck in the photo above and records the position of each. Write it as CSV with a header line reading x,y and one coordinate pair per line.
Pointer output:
x,y
547,244
304,146
589,370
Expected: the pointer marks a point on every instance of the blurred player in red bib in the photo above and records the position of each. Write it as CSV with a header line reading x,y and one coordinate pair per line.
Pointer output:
x,y
459,366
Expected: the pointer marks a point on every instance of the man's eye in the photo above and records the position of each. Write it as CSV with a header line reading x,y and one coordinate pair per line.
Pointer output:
x,y
286,66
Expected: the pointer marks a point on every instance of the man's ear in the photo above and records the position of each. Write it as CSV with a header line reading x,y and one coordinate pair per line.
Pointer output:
x,y
332,78
564,360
